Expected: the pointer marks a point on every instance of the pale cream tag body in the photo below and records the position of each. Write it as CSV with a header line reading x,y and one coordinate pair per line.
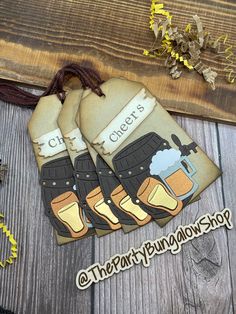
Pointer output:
x,y
129,207
47,140
73,138
132,116
44,132
68,126
119,93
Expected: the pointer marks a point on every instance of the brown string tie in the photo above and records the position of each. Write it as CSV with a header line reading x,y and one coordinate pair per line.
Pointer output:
x,y
89,78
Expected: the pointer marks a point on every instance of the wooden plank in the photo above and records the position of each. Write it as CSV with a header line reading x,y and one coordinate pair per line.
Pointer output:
x,y
43,278
38,37
227,138
197,280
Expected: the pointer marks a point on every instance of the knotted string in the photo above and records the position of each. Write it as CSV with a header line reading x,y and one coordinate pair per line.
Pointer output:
x,y
89,79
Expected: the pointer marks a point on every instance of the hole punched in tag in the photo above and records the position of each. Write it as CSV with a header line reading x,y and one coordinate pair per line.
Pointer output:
x,y
89,78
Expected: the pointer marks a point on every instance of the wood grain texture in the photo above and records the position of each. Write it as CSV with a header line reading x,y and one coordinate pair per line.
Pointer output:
x,y
43,278
198,280
38,37
227,143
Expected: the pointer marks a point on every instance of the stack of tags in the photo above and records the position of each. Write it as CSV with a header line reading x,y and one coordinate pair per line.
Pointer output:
x,y
114,162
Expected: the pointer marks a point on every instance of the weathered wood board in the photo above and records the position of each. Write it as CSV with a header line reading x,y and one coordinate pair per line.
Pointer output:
x,y
38,37
227,143
43,278
200,279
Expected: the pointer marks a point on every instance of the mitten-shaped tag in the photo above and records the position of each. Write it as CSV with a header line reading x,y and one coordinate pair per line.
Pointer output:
x,y
56,170
90,195
157,163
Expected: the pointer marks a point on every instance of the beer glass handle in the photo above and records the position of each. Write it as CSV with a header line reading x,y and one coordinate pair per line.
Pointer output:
x,y
188,166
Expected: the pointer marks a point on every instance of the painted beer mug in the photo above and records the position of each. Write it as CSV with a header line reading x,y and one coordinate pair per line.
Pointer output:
x,y
171,181
179,178
175,171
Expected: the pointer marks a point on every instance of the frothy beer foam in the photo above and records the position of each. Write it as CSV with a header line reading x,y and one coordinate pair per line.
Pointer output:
x,y
163,160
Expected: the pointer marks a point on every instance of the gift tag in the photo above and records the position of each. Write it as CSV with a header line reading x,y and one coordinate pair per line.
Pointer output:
x,y
56,171
89,191
130,215
157,163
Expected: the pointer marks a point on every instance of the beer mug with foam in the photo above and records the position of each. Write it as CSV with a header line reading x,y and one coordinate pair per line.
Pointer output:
x,y
178,178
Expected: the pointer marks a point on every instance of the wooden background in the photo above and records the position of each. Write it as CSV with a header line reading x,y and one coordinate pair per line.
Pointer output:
x,y
201,279
38,37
